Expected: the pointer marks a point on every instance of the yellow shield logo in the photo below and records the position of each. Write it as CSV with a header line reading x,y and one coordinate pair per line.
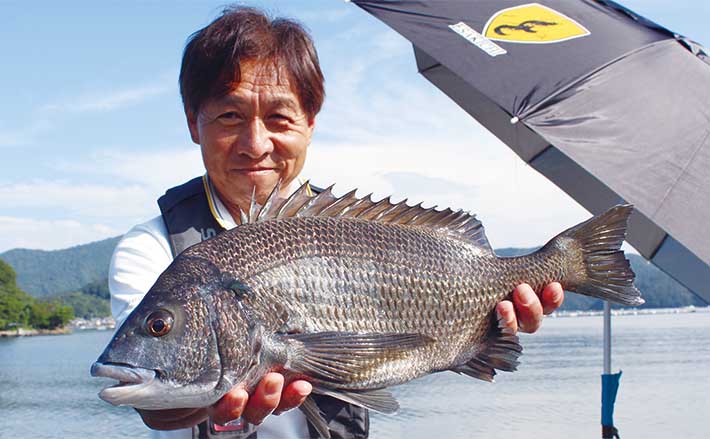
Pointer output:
x,y
532,23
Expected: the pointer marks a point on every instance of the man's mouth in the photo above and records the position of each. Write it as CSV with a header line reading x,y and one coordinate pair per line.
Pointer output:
x,y
255,170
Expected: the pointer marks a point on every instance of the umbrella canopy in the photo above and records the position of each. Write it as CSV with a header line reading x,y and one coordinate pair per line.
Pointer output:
x,y
610,106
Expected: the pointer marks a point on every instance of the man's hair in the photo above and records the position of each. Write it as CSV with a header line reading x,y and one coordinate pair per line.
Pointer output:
x,y
211,60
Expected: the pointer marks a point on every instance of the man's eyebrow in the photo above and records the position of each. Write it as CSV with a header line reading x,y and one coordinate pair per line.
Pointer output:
x,y
276,101
283,101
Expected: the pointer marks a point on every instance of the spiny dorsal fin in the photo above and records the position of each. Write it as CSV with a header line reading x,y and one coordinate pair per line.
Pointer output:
x,y
273,197
456,224
253,206
294,203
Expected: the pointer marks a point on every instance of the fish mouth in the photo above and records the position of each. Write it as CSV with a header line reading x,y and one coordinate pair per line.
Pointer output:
x,y
131,381
149,389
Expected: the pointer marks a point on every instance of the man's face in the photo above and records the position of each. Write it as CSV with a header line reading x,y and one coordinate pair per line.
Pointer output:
x,y
253,136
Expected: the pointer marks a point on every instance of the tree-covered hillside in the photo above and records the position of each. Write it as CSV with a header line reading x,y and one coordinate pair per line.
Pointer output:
x,y
89,302
19,309
45,273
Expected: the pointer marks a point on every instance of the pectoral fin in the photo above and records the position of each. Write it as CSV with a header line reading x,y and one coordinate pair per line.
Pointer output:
x,y
338,358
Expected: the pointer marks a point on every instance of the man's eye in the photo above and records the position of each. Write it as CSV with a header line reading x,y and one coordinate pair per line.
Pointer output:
x,y
280,117
229,116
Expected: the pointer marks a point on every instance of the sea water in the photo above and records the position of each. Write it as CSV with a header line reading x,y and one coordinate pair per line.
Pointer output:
x,y
46,390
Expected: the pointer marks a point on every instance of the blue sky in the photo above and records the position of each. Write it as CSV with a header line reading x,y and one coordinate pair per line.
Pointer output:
x,y
92,130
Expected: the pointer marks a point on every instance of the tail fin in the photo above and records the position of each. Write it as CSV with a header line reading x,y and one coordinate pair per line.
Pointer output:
x,y
599,269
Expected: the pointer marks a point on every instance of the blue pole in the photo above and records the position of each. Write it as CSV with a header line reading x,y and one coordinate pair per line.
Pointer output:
x,y
610,385
610,381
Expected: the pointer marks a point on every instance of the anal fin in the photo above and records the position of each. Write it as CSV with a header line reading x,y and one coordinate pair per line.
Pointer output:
x,y
379,400
501,352
315,417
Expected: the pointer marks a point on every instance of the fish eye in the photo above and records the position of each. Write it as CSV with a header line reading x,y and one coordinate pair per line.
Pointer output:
x,y
159,323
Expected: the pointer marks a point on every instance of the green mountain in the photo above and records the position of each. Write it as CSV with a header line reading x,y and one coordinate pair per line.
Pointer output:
x,y
44,273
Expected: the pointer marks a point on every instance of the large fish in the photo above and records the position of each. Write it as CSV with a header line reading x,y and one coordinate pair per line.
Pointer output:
x,y
350,294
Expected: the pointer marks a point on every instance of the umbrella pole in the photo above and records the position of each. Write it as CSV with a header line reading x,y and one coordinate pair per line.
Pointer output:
x,y
610,382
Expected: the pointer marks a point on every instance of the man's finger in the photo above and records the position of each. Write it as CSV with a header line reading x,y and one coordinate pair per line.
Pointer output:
x,y
528,308
552,297
265,399
293,395
230,406
506,316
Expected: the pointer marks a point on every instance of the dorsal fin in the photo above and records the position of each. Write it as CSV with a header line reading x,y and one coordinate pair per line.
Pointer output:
x,y
456,224
293,204
253,206
273,197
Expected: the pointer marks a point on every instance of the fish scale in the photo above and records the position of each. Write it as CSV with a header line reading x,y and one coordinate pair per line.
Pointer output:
x,y
331,307
352,294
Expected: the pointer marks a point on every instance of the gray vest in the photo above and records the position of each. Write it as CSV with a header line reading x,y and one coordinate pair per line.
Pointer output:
x,y
189,220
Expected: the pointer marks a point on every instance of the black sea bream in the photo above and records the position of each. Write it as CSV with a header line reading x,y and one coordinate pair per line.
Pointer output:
x,y
349,294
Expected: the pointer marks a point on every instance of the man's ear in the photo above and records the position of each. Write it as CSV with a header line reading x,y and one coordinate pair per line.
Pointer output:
x,y
192,125
311,125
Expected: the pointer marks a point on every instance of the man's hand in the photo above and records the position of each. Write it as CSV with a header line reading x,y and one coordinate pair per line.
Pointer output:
x,y
526,310
270,397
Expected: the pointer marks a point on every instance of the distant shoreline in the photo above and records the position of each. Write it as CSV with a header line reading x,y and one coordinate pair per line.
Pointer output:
x,y
633,311
23,332
98,324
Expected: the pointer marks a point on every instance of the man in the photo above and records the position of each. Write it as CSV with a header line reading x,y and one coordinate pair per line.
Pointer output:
x,y
251,89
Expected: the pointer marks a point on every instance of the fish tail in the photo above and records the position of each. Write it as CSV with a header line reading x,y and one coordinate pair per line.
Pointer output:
x,y
596,266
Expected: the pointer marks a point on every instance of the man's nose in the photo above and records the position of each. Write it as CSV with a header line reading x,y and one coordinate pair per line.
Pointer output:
x,y
255,140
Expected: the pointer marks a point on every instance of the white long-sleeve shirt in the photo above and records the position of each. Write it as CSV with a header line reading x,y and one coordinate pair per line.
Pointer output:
x,y
139,258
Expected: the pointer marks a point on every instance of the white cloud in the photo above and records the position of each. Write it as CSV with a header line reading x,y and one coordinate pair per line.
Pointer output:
x,y
49,235
365,104
11,136
485,178
130,185
518,206
111,100
71,199
155,170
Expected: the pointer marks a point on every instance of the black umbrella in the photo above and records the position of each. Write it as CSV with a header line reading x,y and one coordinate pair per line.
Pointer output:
x,y
608,105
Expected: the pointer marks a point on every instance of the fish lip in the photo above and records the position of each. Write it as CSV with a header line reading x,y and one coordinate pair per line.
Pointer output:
x,y
124,373
131,381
